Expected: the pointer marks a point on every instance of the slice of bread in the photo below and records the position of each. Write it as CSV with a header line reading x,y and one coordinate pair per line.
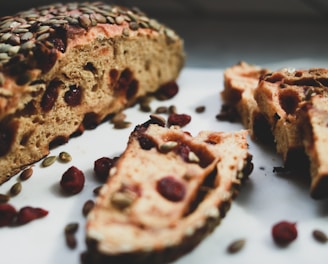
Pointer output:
x,y
167,192
240,82
292,102
66,67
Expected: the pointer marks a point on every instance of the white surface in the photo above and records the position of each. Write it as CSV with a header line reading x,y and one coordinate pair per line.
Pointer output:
x,y
265,199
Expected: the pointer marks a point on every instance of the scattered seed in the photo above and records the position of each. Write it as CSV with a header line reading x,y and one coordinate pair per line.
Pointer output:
x,y
4,198
15,189
320,236
236,246
26,174
71,241
48,161
65,157
161,110
200,109
71,228
70,231
87,207
122,124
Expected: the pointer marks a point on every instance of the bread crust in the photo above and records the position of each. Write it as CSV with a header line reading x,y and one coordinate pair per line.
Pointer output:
x,y
153,229
76,64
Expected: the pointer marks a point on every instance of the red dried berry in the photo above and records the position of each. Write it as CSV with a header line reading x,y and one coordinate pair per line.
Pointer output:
x,y
168,90
171,189
72,181
102,167
284,232
73,96
28,214
7,214
50,95
179,119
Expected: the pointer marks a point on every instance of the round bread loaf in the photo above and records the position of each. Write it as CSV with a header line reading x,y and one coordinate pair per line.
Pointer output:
x,y
65,67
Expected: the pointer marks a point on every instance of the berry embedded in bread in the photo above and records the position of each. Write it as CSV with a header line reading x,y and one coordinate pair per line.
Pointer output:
x,y
167,191
65,67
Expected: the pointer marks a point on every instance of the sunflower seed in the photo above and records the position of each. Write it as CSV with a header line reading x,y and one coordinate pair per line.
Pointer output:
x,y
26,174
48,161
64,156
236,246
15,189
320,236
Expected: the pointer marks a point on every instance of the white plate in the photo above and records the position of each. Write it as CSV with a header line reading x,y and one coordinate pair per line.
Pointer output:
x,y
265,199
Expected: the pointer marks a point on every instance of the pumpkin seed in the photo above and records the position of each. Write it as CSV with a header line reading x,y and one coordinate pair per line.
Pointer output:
x,y
192,157
64,156
122,200
157,119
26,174
168,145
236,246
48,161
15,189
320,236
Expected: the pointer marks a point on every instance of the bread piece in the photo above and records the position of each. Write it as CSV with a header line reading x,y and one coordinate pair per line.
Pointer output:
x,y
65,67
240,82
312,119
167,192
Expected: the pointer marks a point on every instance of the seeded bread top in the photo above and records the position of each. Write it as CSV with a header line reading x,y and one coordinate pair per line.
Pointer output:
x,y
32,41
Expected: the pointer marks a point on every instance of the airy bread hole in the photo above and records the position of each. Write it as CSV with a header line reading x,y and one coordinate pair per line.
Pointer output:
x,y
288,101
207,185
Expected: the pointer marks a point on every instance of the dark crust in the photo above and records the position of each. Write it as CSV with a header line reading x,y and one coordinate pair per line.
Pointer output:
x,y
169,254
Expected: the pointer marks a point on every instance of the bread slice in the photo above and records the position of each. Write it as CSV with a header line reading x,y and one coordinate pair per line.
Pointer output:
x,y
167,192
240,82
65,67
312,119
294,105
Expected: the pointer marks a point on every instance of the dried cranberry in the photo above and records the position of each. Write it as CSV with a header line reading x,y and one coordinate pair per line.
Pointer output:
x,y
28,214
73,96
7,135
102,167
145,142
168,90
171,189
45,57
50,95
132,89
72,181
7,214
284,232
179,119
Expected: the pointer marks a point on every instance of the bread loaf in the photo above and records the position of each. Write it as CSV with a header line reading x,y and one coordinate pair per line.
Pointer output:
x,y
65,67
167,191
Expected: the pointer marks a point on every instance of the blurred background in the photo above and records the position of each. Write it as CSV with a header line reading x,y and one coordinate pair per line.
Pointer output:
x,y
219,33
